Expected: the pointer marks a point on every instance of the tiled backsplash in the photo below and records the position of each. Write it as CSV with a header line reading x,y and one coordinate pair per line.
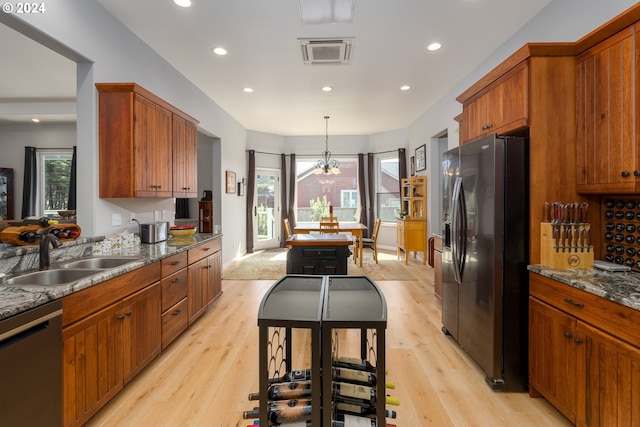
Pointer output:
x,y
622,231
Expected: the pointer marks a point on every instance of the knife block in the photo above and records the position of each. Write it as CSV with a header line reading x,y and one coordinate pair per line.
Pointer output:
x,y
562,256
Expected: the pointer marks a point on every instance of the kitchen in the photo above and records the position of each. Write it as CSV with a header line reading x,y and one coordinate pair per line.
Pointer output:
x,y
101,211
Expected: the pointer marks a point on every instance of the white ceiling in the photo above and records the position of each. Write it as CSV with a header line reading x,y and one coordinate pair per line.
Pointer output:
x,y
389,50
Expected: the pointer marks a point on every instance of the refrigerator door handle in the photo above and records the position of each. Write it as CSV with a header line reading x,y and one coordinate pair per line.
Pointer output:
x,y
463,235
455,228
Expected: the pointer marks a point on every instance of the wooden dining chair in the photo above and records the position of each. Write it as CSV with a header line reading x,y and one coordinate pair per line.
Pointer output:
x,y
287,230
368,242
329,227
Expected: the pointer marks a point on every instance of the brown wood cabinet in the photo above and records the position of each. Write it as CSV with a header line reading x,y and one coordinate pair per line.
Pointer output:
x,y
499,108
205,277
607,156
584,354
147,147
411,231
174,297
185,164
110,332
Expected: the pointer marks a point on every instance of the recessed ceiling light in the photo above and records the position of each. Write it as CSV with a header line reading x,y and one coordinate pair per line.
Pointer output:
x,y
219,51
34,120
434,46
327,89
183,3
248,89
405,87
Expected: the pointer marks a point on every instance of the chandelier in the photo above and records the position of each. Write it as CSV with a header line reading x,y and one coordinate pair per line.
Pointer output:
x,y
327,165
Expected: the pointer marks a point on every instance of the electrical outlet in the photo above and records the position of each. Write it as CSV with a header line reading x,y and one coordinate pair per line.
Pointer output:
x,y
165,215
132,216
116,219
157,215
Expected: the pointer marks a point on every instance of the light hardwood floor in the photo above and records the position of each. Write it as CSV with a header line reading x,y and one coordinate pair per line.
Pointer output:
x,y
204,377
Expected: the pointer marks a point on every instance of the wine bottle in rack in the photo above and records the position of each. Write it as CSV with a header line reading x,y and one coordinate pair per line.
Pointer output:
x,y
358,422
288,390
360,409
359,394
283,412
354,363
357,376
298,375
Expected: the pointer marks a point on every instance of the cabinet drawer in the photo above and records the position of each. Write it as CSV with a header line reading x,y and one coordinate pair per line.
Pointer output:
x,y
613,318
174,321
204,250
173,263
174,288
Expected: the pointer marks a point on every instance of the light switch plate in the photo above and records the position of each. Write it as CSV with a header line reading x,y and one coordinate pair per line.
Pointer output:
x,y
116,219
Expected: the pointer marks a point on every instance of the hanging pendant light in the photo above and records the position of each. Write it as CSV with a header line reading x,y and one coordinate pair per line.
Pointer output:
x,y
327,165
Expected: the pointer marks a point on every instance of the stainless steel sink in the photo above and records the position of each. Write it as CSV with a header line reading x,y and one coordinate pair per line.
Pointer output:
x,y
51,277
100,262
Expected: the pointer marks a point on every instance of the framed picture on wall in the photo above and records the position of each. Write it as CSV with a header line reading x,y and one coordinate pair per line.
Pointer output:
x,y
413,165
231,182
421,158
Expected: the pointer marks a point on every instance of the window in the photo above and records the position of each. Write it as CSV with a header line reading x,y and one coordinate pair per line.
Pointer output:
x,y
314,192
388,187
54,178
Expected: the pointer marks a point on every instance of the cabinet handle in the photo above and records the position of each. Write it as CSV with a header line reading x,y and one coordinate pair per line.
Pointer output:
x,y
186,188
577,341
626,174
121,317
175,263
128,313
206,249
568,335
636,172
575,304
178,311
176,280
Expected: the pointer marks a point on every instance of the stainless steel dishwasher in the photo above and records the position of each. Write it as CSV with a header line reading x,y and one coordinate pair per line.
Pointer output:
x,y
31,367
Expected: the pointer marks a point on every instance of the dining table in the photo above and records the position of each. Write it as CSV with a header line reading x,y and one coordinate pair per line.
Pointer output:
x,y
355,228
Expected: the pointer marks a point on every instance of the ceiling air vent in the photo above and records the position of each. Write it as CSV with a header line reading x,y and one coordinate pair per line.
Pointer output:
x,y
326,51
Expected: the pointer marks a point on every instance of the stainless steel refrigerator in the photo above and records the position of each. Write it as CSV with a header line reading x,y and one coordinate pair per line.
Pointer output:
x,y
485,253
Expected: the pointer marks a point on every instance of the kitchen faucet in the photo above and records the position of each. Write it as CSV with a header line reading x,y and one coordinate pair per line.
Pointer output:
x,y
46,238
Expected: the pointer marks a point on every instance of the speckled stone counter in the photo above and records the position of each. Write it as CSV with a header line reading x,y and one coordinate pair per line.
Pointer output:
x,y
16,299
620,287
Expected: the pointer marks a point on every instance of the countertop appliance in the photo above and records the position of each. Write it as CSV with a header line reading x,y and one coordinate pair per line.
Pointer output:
x,y
31,367
154,232
485,255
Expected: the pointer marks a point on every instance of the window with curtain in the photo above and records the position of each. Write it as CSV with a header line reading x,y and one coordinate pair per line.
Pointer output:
x,y
314,192
387,196
54,179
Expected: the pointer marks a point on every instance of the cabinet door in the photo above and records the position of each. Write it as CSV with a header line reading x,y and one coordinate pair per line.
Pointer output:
x,y
185,171
142,330
475,118
215,275
606,153
197,296
553,356
613,380
153,149
92,364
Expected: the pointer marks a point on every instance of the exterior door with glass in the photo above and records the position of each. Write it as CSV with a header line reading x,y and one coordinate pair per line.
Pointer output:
x,y
267,218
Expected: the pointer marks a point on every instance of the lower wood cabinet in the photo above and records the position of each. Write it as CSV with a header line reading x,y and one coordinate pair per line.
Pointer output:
x,y
412,237
110,331
584,354
174,297
205,278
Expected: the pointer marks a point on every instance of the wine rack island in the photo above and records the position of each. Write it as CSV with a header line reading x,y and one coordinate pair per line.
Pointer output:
x,y
327,387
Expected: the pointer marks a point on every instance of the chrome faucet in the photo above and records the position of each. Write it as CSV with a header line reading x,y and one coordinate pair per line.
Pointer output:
x,y
46,239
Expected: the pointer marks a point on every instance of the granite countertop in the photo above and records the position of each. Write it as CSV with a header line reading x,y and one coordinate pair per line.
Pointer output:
x,y
16,299
621,287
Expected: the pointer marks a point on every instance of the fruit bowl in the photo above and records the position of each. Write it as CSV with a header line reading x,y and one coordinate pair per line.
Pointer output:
x,y
182,230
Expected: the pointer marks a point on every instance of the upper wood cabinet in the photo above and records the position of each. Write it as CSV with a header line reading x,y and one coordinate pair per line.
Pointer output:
x,y
607,158
499,108
147,146
185,168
